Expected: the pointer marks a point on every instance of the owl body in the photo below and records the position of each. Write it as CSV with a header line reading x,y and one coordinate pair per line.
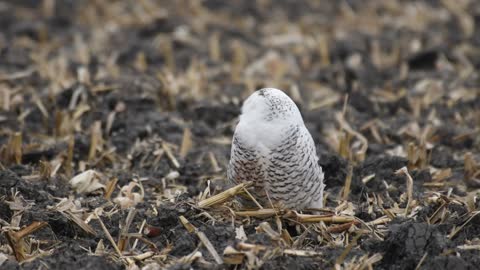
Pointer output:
x,y
272,147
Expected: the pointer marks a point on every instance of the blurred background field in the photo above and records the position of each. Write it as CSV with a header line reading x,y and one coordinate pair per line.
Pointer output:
x,y
139,100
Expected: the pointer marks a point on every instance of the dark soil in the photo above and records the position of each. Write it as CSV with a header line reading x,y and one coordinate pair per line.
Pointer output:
x,y
404,74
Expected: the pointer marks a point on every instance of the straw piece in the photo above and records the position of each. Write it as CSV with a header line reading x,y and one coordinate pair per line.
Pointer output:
x,y
223,196
404,171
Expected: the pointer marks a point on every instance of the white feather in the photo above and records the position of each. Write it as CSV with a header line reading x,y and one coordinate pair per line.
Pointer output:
x,y
255,130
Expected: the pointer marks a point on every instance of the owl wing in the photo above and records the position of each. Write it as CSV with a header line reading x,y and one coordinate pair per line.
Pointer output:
x,y
246,164
293,174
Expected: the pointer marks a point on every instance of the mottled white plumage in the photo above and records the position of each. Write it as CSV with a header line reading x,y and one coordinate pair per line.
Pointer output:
x,y
273,148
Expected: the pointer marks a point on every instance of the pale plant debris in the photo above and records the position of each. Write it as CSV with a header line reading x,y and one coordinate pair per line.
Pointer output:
x,y
116,120
123,238
71,211
404,171
17,242
186,142
203,238
223,196
128,197
87,182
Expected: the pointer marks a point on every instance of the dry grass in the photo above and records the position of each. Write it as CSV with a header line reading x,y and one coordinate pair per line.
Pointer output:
x,y
113,102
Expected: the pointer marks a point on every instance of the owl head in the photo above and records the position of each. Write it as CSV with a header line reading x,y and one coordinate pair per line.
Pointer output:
x,y
270,105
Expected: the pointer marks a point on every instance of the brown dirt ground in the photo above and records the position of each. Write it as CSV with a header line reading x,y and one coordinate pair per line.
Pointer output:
x,y
146,94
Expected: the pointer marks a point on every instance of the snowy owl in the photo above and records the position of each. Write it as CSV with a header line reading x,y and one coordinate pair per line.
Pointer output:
x,y
273,148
